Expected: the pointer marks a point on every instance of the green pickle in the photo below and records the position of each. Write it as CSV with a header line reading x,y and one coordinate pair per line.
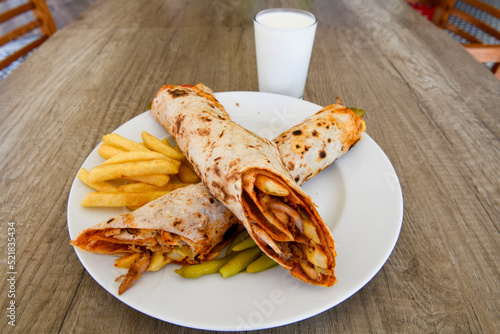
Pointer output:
x,y
204,268
359,112
242,254
240,261
264,262
245,244
239,238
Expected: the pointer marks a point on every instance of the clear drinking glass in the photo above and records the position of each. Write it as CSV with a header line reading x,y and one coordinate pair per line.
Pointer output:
x,y
284,39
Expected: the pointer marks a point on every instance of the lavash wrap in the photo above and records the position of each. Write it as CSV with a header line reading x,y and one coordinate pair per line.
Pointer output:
x,y
188,216
223,154
312,145
193,217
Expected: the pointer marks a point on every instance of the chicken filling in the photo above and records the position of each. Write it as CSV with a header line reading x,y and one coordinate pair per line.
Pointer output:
x,y
147,250
292,230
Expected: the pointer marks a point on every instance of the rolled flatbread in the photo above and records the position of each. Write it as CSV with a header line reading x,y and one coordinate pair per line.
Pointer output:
x,y
249,176
188,219
312,145
185,226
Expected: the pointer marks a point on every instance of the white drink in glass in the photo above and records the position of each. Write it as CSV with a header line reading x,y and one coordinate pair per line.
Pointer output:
x,y
284,39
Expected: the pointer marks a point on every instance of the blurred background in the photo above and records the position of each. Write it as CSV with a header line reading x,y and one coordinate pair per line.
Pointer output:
x,y
65,11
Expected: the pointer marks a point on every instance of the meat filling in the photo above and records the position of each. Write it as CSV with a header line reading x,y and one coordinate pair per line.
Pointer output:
x,y
298,233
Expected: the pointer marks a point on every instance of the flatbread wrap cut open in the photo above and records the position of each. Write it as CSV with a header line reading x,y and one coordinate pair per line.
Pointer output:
x,y
185,226
248,175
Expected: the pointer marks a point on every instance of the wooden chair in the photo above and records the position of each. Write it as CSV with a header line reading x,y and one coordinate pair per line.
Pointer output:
x,y
482,52
42,20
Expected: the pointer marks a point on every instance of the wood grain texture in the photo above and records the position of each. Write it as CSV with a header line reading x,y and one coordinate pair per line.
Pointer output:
x,y
430,106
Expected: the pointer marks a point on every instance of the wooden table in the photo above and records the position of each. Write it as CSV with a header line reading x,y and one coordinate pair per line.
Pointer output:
x,y
433,110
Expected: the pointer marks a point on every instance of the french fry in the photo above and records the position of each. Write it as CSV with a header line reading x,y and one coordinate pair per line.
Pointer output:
x,y
122,143
152,167
158,261
269,186
173,186
310,231
118,199
186,174
133,156
138,187
316,256
157,145
141,187
148,166
156,180
125,261
176,162
177,148
83,175
106,151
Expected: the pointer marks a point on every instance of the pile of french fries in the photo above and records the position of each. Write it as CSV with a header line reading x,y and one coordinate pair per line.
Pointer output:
x,y
133,173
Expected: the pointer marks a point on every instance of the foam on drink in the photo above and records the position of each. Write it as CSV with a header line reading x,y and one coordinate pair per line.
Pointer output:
x,y
285,20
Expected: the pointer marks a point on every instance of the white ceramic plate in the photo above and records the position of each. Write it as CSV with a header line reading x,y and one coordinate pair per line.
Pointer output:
x,y
359,198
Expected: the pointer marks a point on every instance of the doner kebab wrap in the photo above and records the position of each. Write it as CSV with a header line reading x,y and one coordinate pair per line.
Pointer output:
x,y
190,226
249,176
